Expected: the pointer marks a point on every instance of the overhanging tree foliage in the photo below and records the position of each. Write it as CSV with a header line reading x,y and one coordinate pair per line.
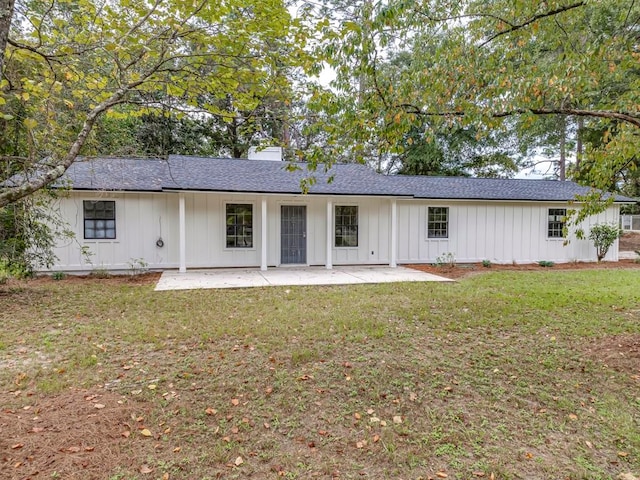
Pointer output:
x,y
68,63
477,62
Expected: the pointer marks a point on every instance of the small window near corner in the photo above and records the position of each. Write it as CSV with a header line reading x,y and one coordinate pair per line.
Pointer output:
x,y
346,226
99,219
239,225
438,222
556,222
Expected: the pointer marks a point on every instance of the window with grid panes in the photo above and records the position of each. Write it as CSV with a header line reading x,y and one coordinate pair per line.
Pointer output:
x,y
346,226
438,222
239,225
99,219
556,222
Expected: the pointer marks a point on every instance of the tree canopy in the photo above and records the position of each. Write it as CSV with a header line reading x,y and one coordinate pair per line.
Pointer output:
x,y
479,62
67,63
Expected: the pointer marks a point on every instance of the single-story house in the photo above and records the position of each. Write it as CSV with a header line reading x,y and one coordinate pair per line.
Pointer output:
x,y
192,212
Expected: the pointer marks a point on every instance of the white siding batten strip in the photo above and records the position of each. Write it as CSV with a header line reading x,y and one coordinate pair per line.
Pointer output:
x,y
329,261
394,234
183,234
263,235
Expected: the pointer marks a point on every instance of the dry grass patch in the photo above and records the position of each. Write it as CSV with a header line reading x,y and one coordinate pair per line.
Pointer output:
x,y
496,374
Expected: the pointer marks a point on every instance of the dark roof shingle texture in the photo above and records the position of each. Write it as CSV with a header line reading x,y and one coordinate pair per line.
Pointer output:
x,y
263,176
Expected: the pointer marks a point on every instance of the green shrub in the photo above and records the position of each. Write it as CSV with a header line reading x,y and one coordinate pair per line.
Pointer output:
x,y
546,263
486,263
58,275
603,235
100,273
446,259
137,266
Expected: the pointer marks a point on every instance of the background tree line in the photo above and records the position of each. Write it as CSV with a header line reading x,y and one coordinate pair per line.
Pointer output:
x,y
462,87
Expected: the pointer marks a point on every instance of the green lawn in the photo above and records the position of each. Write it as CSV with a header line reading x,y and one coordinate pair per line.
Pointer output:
x,y
503,374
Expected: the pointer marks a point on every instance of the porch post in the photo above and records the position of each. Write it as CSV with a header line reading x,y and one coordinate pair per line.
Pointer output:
x,y
394,234
183,235
329,262
263,235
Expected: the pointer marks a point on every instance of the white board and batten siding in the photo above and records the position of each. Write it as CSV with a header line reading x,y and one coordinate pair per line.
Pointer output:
x,y
143,218
501,232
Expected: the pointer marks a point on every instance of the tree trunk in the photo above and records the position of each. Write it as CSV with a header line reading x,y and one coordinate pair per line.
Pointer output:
x,y
579,143
562,170
6,14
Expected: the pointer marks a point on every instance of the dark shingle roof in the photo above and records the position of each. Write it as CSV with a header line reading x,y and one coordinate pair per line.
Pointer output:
x,y
263,176
128,174
465,188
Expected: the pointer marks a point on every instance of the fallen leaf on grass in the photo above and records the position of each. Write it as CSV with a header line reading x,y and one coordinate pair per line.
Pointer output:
x,y
238,461
627,476
357,416
235,402
177,449
17,445
145,469
266,425
397,419
73,449
126,434
89,449
622,454
589,444
441,475
573,416
99,406
361,444
145,432
165,476
376,438
37,429
211,411
479,474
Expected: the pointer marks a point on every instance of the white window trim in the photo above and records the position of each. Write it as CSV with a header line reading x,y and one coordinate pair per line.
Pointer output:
x,y
252,248
333,226
119,227
546,224
426,233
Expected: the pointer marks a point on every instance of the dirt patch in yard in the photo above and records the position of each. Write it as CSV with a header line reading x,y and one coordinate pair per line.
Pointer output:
x,y
466,270
629,242
78,434
619,352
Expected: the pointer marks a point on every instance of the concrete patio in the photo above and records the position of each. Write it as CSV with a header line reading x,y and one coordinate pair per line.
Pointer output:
x,y
285,276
